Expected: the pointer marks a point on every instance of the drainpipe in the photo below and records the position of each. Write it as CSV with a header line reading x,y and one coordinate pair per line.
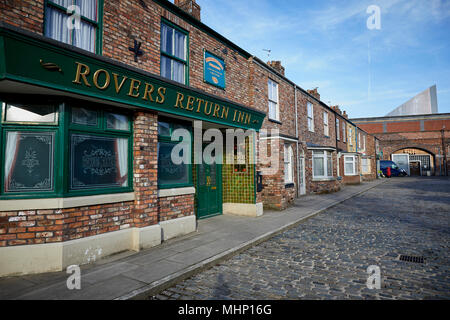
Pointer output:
x,y
296,135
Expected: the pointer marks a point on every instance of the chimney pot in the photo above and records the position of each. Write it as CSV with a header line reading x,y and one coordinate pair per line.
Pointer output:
x,y
189,6
314,93
277,66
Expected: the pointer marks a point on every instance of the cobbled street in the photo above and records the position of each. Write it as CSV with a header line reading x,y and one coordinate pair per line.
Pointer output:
x,y
327,256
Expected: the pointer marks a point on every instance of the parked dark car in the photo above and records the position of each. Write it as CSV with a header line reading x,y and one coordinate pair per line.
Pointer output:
x,y
395,170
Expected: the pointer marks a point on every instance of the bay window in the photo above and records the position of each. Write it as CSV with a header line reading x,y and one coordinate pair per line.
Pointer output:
x,y
174,53
60,23
322,165
350,165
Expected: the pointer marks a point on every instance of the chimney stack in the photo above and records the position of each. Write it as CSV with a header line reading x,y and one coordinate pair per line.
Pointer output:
x,y
314,93
336,108
345,115
190,6
277,66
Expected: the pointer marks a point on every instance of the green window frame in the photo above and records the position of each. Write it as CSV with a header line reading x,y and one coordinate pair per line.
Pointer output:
x,y
164,137
171,56
116,133
98,24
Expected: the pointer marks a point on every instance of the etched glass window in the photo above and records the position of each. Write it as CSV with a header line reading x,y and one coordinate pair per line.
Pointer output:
x,y
117,122
30,113
170,173
85,117
29,161
98,162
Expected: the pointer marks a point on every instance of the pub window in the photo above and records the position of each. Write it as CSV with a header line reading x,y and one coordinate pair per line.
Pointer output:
x,y
99,150
29,134
61,14
174,60
171,174
45,156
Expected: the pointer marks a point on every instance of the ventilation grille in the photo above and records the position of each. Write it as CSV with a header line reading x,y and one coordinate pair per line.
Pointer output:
x,y
414,259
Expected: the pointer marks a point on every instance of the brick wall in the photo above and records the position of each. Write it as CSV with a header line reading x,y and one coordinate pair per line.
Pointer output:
x,y
24,14
175,207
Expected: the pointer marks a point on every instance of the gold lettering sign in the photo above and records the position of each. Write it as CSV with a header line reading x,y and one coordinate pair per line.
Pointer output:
x,y
102,78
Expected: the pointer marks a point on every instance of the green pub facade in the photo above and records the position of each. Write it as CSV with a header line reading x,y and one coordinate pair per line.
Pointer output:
x,y
87,122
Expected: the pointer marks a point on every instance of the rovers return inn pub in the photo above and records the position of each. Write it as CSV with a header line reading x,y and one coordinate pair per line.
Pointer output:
x,y
88,109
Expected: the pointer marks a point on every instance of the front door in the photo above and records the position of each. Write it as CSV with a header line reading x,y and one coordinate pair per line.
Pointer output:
x,y
209,190
302,175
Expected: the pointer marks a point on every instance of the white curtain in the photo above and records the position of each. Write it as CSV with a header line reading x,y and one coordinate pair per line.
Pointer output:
x,y
85,37
12,142
63,3
88,8
178,71
166,39
319,167
56,26
122,148
179,50
166,67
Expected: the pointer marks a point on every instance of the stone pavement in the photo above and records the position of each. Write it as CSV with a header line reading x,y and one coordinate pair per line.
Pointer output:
x,y
133,275
327,256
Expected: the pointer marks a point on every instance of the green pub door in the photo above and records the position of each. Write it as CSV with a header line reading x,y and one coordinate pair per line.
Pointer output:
x,y
209,190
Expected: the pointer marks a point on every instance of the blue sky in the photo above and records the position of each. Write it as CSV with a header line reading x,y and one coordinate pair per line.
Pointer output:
x,y
327,44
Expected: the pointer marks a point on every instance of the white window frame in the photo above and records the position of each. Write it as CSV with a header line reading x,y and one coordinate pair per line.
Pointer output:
x,y
288,164
344,131
353,162
350,136
365,166
359,140
326,128
310,116
364,142
271,86
338,132
326,154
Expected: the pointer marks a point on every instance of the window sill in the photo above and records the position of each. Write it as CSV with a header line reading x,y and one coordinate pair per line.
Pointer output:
x,y
323,179
289,185
274,121
174,192
65,203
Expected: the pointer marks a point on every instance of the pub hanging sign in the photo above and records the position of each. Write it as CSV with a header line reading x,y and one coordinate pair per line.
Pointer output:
x,y
214,70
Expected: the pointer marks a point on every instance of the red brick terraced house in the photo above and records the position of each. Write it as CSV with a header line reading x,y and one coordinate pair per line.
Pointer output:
x,y
93,95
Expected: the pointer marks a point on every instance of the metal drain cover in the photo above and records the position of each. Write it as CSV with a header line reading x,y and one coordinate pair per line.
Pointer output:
x,y
414,259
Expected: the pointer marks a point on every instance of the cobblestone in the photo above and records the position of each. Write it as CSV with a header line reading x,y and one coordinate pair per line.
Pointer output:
x,y
327,256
